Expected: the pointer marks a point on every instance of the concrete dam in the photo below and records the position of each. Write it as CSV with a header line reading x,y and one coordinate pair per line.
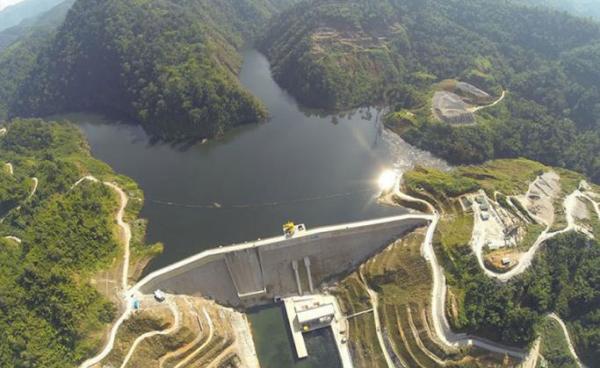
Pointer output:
x,y
255,273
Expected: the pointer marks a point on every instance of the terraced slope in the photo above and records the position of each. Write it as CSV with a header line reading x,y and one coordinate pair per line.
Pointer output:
x,y
402,280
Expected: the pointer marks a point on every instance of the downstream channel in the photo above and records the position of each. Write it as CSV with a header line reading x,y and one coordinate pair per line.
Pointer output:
x,y
300,166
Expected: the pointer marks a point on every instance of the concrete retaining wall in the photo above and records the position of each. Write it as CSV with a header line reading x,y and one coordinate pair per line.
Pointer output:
x,y
333,251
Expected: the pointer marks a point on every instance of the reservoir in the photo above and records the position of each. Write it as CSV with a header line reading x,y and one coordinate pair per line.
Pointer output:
x,y
298,166
310,168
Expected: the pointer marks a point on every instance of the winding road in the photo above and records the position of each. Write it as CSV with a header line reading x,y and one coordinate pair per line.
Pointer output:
x,y
31,194
126,244
438,296
184,349
568,338
440,323
35,186
124,200
527,258
477,108
594,203
374,298
134,291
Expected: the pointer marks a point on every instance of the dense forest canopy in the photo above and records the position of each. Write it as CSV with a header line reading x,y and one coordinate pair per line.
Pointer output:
x,y
340,54
19,47
170,65
562,279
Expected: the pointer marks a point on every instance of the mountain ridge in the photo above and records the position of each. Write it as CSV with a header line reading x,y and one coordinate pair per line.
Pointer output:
x,y
172,66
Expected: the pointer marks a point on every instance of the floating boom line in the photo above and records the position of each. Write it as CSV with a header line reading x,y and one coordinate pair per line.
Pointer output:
x,y
218,206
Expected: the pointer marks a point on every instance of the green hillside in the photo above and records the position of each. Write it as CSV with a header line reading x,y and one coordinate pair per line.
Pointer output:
x,y
336,54
54,239
340,54
19,47
170,65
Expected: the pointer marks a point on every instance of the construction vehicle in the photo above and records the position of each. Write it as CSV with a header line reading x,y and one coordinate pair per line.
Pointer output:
x,y
289,229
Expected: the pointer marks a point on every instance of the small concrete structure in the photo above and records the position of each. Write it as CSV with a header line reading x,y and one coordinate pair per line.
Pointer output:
x,y
159,295
314,312
314,318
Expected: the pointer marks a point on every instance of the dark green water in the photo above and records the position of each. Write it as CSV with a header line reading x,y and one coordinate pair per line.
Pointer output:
x,y
274,345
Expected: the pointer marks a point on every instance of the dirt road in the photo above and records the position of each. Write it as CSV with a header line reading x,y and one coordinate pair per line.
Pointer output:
x,y
568,338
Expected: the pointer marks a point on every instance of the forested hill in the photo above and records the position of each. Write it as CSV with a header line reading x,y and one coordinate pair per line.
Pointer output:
x,y
56,240
345,49
19,47
171,65
340,54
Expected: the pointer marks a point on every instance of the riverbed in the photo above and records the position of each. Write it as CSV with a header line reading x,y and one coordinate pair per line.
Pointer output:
x,y
316,169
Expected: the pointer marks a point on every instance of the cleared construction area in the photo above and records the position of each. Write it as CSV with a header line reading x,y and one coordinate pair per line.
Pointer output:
x,y
457,102
450,108
539,199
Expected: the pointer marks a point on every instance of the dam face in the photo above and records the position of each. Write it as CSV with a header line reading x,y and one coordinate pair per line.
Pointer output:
x,y
254,273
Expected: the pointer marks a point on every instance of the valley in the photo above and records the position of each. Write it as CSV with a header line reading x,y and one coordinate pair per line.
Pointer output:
x,y
433,164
